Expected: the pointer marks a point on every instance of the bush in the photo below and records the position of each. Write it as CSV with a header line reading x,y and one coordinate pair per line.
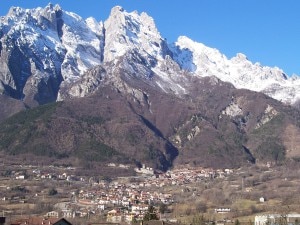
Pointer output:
x,y
201,207
52,192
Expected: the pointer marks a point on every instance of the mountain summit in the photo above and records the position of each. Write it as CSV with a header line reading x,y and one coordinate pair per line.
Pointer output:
x,y
243,74
120,92
44,51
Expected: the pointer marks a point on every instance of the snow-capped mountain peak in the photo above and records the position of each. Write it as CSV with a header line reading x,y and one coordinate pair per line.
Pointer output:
x,y
126,31
46,44
196,57
52,47
239,70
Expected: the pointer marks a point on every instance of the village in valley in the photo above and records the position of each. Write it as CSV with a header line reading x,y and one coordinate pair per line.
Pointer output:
x,y
123,199
180,195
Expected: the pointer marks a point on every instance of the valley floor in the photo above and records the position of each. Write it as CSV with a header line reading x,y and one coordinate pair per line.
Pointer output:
x,y
186,195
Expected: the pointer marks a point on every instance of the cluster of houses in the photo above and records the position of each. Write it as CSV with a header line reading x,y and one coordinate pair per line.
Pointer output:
x,y
192,175
35,220
121,202
51,172
127,201
177,176
115,217
38,174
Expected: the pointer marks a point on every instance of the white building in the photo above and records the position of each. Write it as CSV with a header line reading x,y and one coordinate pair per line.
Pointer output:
x,y
274,219
20,177
53,214
101,207
145,170
261,199
68,213
223,210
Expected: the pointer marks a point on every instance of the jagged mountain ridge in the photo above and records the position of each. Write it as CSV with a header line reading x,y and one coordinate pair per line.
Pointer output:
x,y
242,73
47,50
39,51
141,99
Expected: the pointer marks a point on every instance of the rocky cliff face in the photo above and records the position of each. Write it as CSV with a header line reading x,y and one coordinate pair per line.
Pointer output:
x,y
132,120
46,51
43,47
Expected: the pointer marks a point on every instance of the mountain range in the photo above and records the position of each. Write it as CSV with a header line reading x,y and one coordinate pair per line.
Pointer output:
x,y
117,90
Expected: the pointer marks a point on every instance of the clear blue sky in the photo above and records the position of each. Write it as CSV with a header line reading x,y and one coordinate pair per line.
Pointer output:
x,y
267,31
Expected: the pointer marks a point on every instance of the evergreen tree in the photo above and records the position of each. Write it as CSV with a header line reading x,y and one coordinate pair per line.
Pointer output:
x,y
237,222
151,214
52,192
162,208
